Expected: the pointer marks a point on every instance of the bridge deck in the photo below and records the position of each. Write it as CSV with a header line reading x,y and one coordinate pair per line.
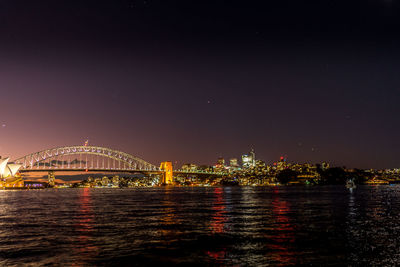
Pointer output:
x,y
118,170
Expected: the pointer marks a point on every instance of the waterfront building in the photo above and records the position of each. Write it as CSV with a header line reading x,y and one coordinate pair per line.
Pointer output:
x,y
8,174
11,170
3,164
8,170
105,181
12,183
189,167
33,185
115,180
97,182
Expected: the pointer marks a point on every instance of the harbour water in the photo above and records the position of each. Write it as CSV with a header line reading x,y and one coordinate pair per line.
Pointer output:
x,y
257,226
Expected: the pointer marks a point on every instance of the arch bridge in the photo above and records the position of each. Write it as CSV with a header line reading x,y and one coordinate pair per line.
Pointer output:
x,y
90,158
97,159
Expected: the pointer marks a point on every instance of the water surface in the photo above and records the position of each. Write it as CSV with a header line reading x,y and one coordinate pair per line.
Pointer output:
x,y
258,226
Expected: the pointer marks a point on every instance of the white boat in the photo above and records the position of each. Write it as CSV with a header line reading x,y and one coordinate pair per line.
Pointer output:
x,y
350,184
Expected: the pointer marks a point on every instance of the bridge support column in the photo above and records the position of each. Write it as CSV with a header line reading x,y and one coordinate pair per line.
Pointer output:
x,y
166,166
51,179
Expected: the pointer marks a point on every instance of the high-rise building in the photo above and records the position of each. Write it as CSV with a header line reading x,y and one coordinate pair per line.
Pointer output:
x,y
246,161
220,166
233,163
281,164
253,157
249,161
189,167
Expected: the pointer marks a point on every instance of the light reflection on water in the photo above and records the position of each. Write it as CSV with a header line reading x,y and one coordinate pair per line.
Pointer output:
x,y
218,220
284,232
84,249
207,226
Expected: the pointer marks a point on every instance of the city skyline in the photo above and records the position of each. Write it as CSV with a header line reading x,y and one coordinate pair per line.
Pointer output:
x,y
245,160
191,82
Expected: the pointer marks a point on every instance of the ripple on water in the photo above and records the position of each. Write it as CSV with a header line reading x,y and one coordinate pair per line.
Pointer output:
x,y
201,226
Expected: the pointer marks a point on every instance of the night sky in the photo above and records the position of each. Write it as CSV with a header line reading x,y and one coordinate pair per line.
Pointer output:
x,y
190,81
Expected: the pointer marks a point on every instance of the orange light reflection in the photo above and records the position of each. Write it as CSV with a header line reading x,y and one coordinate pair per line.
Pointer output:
x,y
284,233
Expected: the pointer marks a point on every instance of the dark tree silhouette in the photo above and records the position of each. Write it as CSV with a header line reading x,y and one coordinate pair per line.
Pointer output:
x,y
334,175
286,176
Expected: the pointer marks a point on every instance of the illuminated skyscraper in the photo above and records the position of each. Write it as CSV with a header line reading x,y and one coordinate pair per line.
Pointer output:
x,y
189,167
253,157
249,161
233,163
220,166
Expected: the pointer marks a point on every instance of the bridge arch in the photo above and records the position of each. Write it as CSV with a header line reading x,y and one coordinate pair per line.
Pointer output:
x,y
54,158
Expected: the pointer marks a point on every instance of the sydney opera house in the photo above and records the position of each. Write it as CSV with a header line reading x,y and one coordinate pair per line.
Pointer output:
x,y
8,174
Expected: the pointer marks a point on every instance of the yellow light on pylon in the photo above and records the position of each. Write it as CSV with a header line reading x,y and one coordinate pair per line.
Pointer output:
x,y
166,166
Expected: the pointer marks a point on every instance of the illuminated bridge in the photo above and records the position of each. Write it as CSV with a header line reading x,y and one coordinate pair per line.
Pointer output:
x,y
94,158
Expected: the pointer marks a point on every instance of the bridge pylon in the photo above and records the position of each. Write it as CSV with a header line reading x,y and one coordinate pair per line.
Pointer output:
x,y
51,179
166,166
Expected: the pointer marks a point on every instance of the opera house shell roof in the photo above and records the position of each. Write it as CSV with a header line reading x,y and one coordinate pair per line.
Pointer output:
x,y
8,170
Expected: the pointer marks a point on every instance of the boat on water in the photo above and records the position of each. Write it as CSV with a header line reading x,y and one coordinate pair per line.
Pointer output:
x,y
350,184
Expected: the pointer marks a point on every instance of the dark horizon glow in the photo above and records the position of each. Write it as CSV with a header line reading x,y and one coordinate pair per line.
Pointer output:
x,y
191,82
